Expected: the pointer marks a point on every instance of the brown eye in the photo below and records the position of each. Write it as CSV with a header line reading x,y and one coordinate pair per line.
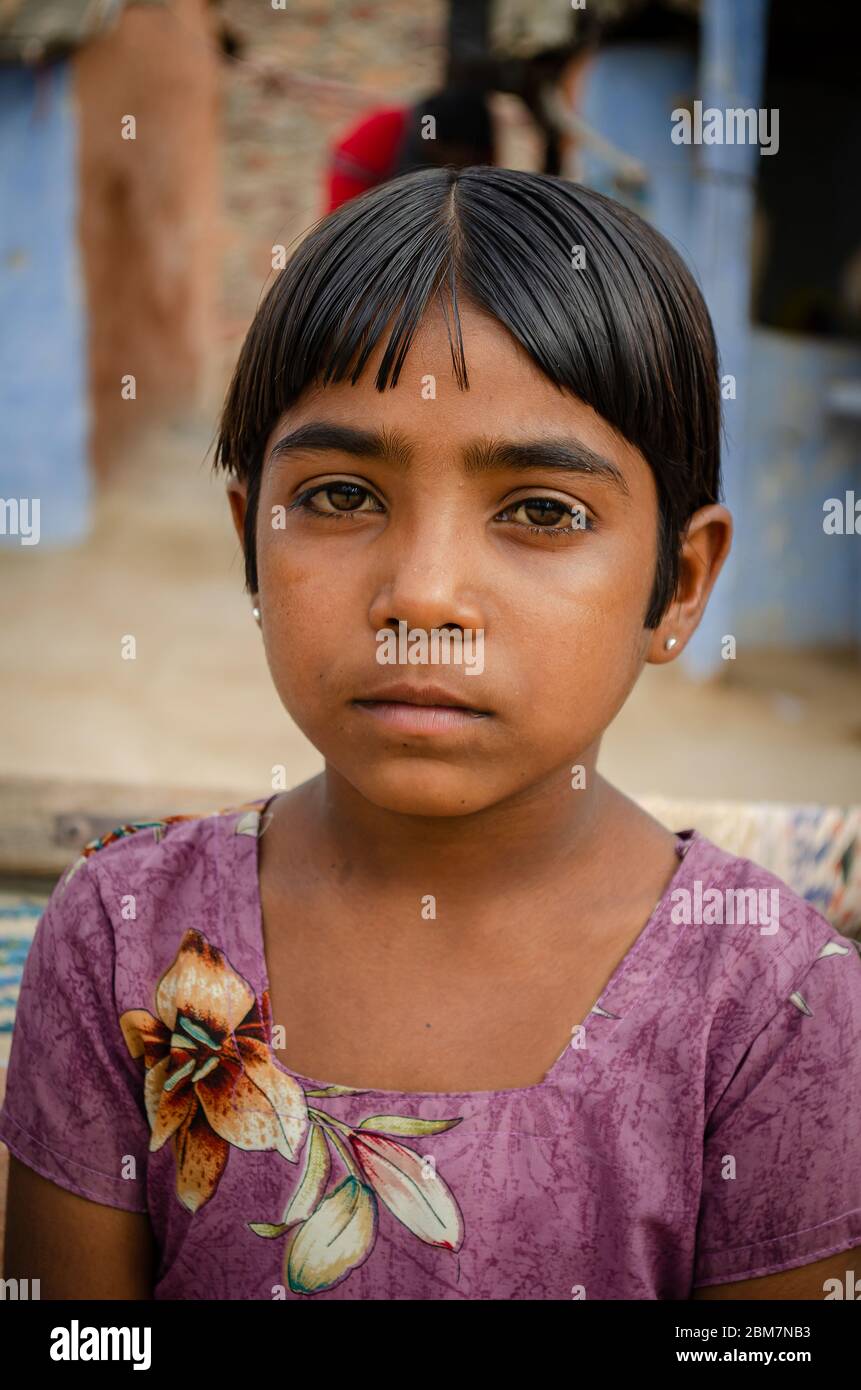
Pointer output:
x,y
338,498
345,497
544,511
548,516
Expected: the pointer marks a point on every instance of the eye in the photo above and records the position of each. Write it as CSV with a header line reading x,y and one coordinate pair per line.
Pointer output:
x,y
340,498
547,514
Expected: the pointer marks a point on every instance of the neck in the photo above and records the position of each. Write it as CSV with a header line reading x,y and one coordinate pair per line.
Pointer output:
x,y
507,848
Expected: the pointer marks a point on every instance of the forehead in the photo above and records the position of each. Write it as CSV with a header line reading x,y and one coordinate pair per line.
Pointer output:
x,y
509,397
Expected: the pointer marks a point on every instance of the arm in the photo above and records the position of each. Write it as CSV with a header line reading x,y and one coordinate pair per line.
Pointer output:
x,y
780,1205
77,1248
73,1115
805,1282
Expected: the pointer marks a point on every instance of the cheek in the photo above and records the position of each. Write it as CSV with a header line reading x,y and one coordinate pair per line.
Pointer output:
x,y
616,584
583,647
302,609
306,585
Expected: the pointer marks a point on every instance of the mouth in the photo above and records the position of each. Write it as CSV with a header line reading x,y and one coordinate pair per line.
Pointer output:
x,y
420,708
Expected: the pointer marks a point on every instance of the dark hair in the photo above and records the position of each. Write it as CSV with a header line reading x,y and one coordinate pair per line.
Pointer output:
x,y
463,121
629,333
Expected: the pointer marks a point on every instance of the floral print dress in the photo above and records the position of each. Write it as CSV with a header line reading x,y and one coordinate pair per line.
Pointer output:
x,y
701,1126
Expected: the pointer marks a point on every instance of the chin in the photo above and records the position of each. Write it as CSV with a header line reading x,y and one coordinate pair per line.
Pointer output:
x,y
415,787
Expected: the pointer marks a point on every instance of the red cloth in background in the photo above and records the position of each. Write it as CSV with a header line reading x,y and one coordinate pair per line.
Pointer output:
x,y
365,156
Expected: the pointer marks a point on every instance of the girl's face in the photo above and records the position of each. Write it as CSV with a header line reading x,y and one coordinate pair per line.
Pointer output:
x,y
511,512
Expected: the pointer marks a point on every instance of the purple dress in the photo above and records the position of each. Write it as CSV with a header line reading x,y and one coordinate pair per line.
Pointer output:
x,y
701,1126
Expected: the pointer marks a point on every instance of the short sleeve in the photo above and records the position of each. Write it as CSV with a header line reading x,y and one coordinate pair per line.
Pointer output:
x,y
74,1109
781,1181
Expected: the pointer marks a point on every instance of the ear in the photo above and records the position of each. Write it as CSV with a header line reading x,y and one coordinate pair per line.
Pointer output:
x,y
237,496
706,545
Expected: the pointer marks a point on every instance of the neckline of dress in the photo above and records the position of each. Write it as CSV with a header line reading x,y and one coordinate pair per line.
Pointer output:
x,y
686,841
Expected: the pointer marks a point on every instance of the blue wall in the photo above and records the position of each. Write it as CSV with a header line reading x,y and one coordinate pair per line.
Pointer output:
x,y
786,581
803,586
43,368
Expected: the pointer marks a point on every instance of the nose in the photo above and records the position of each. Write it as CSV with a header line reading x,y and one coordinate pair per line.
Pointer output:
x,y
429,579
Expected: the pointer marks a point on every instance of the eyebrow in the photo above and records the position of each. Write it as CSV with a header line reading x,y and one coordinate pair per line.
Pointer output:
x,y
482,456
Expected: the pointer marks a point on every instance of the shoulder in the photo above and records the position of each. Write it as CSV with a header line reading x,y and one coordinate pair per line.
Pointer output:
x,y
143,871
172,839
781,1183
744,917
759,956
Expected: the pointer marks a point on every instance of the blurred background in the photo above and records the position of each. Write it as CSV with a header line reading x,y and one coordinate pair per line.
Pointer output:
x,y
157,158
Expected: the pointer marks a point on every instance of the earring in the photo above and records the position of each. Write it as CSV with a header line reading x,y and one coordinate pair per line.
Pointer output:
x,y
255,613
670,643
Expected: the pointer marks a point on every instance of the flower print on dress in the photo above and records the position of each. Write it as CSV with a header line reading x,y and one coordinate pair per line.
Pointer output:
x,y
331,1234
211,1079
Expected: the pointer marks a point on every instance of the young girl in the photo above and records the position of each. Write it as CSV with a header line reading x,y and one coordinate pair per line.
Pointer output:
x,y
451,1020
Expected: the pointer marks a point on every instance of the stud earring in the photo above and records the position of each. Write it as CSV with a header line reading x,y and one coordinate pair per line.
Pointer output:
x,y
255,613
670,643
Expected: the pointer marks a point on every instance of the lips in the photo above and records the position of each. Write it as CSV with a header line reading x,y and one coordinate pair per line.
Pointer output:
x,y
435,696
420,710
